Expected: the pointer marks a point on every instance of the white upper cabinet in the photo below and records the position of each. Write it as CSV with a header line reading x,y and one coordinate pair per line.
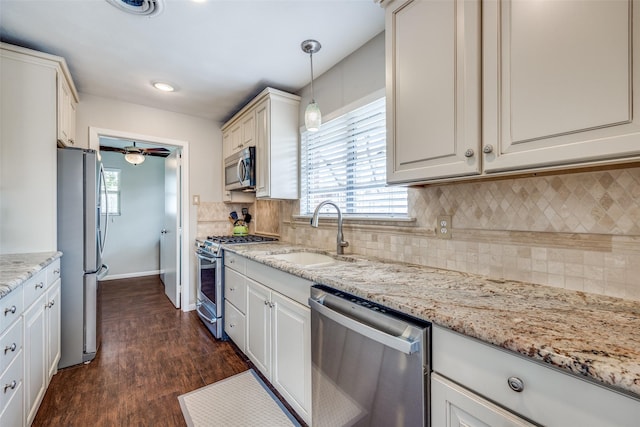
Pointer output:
x,y
433,89
67,100
270,123
559,79
502,87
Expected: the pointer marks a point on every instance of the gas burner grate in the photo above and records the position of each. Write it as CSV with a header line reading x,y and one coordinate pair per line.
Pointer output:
x,y
250,238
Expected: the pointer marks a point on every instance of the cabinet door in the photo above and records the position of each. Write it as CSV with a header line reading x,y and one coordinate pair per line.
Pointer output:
x,y
560,82
454,406
259,326
235,325
433,89
35,356
66,112
263,154
227,147
53,329
248,130
236,137
235,289
292,353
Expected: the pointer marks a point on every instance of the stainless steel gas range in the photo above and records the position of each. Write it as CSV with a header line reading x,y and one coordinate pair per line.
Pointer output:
x,y
210,300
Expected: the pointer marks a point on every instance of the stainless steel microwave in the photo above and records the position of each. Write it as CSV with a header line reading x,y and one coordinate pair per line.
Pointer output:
x,y
240,170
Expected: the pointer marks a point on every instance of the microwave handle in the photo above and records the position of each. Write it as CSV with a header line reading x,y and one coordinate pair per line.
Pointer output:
x,y
240,170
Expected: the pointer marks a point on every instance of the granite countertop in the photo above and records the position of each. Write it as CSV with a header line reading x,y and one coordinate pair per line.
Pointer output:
x,y
18,268
593,336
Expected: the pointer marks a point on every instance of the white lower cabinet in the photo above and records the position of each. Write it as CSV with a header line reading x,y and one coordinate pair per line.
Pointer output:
x,y
35,343
30,343
455,406
478,384
277,337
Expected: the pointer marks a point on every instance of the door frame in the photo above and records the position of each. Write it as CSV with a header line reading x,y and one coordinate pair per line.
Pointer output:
x,y
94,143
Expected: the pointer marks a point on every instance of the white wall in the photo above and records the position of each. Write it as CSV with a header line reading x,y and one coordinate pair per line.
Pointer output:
x,y
133,246
356,76
203,136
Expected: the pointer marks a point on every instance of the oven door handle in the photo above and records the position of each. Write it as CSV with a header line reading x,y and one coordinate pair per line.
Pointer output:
x,y
204,257
204,316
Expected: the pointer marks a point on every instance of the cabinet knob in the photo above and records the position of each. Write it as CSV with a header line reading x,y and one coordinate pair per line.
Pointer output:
x,y
11,348
266,302
39,285
11,385
56,271
51,304
469,153
487,149
231,325
516,384
232,289
11,310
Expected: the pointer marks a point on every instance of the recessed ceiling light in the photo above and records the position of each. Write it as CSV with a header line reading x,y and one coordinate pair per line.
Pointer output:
x,y
165,87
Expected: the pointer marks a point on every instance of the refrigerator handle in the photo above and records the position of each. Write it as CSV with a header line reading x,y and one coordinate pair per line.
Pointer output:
x,y
103,181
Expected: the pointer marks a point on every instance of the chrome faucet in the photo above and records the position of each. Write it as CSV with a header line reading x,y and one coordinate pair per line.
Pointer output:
x,y
340,243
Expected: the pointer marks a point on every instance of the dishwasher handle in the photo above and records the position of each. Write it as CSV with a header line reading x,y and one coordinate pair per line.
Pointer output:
x,y
403,344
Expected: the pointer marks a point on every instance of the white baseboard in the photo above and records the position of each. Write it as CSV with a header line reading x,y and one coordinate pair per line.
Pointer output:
x,y
130,275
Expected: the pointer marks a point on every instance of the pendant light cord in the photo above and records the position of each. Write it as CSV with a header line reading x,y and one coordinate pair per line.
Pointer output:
x,y
313,98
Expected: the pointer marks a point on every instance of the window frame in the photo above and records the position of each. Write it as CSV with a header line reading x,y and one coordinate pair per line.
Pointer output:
x,y
375,96
118,192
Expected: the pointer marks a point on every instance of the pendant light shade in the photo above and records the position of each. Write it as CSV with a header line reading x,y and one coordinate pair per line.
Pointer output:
x,y
312,115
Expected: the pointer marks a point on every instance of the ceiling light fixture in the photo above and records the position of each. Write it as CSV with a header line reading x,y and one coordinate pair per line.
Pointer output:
x,y
312,115
164,87
139,7
133,155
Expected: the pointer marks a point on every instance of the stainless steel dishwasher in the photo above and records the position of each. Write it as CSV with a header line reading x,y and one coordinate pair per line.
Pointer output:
x,y
370,364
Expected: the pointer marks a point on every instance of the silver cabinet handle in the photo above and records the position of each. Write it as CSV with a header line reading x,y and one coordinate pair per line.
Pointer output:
x,y
266,302
11,385
56,271
11,310
487,149
11,348
516,384
232,289
39,285
231,325
469,153
51,304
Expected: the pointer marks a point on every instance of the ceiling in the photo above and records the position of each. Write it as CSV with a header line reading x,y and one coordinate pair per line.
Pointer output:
x,y
218,53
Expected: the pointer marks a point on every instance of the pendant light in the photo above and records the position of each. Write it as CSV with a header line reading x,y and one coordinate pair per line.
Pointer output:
x,y
312,115
133,155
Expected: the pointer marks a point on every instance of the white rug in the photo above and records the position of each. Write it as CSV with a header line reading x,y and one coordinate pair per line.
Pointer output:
x,y
242,400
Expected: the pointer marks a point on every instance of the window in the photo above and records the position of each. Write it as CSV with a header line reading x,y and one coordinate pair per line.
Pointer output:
x,y
111,191
345,161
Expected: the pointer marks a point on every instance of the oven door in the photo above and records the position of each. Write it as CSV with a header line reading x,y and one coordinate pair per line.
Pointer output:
x,y
209,304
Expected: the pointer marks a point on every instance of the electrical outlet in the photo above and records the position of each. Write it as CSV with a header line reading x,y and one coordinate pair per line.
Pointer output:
x,y
443,227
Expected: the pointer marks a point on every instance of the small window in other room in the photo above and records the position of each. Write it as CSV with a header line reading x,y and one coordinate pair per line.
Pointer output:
x,y
345,161
110,197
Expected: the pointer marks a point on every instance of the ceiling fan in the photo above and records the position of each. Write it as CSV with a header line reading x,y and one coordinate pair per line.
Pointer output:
x,y
135,155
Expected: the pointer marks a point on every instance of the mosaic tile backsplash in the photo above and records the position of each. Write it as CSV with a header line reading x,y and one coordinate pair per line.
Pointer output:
x,y
579,231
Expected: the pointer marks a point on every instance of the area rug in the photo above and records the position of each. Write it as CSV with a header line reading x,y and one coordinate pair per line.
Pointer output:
x,y
242,400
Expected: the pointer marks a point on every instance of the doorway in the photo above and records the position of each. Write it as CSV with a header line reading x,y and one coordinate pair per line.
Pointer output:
x,y
172,236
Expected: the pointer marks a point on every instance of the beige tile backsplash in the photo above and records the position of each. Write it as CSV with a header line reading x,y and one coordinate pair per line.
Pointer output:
x,y
577,231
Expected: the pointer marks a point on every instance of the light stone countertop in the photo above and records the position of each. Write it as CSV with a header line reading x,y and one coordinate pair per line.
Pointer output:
x,y
595,337
16,269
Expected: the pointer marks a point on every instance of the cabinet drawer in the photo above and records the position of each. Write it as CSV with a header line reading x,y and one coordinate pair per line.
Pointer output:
x,y
235,262
549,396
34,288
10,345
53,271
11,307
8,388
235,289
234,325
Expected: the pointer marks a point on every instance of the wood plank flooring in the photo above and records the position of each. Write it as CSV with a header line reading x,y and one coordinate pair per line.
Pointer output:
x,y
150,354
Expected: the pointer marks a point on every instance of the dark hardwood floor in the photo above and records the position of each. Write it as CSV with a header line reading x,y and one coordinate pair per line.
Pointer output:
x,y
150,354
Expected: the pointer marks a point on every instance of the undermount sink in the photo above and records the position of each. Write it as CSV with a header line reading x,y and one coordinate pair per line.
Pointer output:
x,y
306,259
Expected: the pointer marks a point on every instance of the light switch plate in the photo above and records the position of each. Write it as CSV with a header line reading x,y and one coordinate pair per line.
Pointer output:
x,y
443,227
196,199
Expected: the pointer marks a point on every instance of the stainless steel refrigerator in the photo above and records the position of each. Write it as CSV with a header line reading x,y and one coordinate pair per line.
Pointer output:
x,y
81,238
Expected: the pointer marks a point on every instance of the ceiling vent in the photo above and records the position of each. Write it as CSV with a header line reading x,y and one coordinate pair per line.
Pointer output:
x,y
139,7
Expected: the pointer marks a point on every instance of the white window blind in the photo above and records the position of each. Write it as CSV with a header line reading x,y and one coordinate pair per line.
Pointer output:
x,y
345,161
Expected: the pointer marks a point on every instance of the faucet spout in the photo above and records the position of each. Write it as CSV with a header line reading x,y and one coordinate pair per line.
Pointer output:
x,y
340,242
